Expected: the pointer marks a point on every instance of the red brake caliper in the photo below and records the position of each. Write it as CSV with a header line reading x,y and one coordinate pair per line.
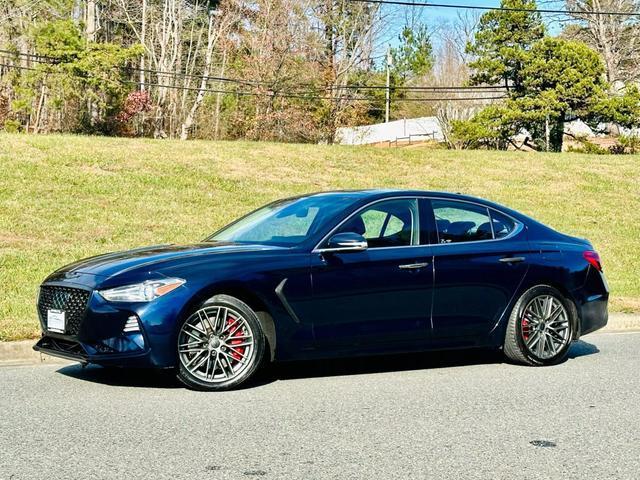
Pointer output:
x,y
526,328
237,352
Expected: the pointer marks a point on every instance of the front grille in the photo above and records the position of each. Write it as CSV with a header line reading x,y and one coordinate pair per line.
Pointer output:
x,y
73,301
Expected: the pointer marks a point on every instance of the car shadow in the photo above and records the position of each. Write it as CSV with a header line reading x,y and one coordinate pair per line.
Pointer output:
x,y
582,349
122,377
380,364
149,378
397,363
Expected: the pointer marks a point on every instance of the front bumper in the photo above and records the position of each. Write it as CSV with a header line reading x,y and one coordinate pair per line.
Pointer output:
x,y
102,335
84,353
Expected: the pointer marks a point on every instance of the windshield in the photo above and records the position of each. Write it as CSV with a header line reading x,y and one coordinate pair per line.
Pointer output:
x,y
283,223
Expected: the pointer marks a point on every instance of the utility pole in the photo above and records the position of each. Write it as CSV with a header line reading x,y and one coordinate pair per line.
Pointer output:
x,y
143,36
387,106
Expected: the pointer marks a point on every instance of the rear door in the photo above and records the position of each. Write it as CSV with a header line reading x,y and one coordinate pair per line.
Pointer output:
x,y
480,259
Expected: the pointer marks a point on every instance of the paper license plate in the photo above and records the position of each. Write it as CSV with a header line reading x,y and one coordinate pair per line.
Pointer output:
x,y
55,320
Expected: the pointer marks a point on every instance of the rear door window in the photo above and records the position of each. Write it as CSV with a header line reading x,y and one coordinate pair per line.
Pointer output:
x,y
461,221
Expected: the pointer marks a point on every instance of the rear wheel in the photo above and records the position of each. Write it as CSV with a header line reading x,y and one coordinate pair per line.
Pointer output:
x,y
540,327
220,345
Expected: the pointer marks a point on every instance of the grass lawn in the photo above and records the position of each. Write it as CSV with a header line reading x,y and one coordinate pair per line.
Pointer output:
x,y
66,197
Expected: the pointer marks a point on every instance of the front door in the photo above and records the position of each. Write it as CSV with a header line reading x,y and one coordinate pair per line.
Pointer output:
x,y
378,299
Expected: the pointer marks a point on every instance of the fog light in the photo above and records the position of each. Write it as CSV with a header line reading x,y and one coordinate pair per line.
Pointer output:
x,y
132,325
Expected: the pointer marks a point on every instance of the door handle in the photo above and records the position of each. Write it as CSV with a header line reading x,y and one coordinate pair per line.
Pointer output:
x,y
512,259
413,266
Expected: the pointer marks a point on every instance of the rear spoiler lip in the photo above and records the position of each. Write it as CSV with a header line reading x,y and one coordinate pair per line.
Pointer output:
x,y
583,242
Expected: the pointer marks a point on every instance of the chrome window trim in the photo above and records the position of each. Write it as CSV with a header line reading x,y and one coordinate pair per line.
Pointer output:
x,y
316,249
493,231
519,226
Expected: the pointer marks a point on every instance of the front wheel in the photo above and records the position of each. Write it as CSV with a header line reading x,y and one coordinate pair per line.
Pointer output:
x,y
540,327
220,345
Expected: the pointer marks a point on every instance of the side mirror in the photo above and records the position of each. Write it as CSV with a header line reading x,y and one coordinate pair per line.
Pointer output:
x,y
345,242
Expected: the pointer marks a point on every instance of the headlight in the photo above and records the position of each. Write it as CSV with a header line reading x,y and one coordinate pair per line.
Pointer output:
x,y
142,292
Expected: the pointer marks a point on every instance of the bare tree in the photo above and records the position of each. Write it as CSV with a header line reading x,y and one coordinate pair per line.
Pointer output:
x,y
349,32
615,37
182,40
220,22
451,68
276,54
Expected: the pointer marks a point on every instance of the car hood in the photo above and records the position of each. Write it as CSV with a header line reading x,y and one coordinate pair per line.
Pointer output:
x,y
117,263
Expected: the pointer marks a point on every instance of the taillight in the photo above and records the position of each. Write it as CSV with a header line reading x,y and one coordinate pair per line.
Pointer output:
x,y
593,258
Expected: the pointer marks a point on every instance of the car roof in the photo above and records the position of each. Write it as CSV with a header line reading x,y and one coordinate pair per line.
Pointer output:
x,y
368,195
373,194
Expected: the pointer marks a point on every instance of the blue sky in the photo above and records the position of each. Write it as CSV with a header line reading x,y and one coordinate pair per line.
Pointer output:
x,y
433,16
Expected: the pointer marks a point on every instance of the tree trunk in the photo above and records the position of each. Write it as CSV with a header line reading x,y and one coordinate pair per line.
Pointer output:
x,y
90,35
43,92
188,122
216,130
91,21
557,133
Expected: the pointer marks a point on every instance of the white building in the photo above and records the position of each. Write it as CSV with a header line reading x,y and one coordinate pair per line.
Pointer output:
x,y
413,129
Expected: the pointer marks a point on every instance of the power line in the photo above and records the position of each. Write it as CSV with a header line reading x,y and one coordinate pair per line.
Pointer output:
x,y
504,9
36,57
276,94
17,67
43,59
312,96
255,83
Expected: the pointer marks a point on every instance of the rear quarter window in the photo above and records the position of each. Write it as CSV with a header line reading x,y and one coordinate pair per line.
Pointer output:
x,y
502,225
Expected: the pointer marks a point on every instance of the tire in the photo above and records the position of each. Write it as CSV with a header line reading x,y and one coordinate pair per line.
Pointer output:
x,y
220,345
540,328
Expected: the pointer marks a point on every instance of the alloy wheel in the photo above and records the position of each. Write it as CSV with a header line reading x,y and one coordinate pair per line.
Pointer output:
x,y
216,344
545,326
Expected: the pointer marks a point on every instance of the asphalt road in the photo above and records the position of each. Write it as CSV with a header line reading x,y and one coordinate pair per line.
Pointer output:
x,y
445,416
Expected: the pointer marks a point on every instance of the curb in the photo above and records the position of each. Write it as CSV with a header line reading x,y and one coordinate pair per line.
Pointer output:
x,y
619,322
22,352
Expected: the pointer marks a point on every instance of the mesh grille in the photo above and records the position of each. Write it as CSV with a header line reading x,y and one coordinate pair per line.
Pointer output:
x,y
72,300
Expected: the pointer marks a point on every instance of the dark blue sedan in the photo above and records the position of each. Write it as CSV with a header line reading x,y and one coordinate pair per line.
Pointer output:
x,y
330,275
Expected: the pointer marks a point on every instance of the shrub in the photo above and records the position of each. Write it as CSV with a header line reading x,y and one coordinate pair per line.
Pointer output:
x,y
588,147
629,143
12,126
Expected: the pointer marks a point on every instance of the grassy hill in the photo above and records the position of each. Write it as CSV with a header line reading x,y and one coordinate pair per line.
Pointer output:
x,y
66,197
